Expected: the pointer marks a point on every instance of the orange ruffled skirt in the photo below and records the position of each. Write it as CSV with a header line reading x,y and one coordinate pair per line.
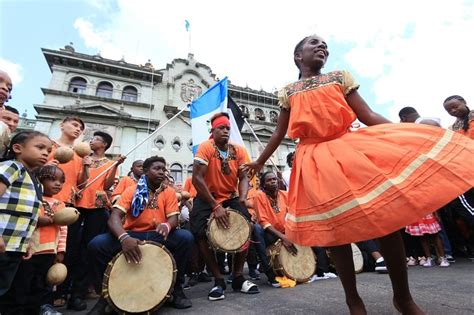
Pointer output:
x,y
369,183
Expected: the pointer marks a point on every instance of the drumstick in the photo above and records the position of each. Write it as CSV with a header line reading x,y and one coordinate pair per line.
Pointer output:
x,y
132,149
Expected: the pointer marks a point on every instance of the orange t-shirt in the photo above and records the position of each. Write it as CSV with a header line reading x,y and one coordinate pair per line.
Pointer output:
x,y
94,195
123,184
267,215
221,186
71,171
167,206
251,203
189,187
50,239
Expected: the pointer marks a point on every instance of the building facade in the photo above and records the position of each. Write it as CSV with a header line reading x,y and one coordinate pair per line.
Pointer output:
x,y
130,101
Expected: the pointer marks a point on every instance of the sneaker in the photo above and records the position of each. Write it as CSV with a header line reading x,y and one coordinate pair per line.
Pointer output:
x,y
443,262
380,266
450,258
193,280
216,293
274,283
315,277
254,274
421,260
76,304
178,300
48,309
411,261
428,263
330,275
229,279
204,277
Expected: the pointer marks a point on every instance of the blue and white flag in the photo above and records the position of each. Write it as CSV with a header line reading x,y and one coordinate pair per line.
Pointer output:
x,y
213,101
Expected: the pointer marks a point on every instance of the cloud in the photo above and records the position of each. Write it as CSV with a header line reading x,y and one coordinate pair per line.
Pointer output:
x,y
414,53
14,70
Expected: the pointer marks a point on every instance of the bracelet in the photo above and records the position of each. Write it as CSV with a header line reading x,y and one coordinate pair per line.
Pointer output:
x,y
168,226
124,238
121,235
215,207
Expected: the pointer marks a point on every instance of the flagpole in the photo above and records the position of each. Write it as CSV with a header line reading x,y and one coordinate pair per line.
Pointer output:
x,y
261,145
133,149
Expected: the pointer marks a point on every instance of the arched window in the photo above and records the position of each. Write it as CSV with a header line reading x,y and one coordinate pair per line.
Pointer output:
x,y
77,85
129,94
245,111
190,170
176,171
104,89
259,114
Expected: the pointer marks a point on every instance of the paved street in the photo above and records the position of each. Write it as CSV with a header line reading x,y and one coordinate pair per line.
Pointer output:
x,y
437,291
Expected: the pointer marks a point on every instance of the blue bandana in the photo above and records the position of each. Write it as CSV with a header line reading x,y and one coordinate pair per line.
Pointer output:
x,y
140,198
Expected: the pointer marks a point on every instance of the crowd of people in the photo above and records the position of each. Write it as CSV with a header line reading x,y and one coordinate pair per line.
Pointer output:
x,y
370,187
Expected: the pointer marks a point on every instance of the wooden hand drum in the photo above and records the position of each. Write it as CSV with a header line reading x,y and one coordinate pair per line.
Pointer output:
x,y
299,268
139,288
233,239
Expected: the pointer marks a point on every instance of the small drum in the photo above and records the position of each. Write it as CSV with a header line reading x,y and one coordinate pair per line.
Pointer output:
x,y
299,268
232,240
358,258
142,288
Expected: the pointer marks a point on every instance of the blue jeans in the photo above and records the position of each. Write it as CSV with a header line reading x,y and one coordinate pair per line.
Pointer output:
x,y
261,240
104,247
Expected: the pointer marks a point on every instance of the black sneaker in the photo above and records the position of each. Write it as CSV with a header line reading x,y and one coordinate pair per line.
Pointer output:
x,y
100,308
216,293
204,277
178,300
193,280
254,274
76,304
380,266
48,309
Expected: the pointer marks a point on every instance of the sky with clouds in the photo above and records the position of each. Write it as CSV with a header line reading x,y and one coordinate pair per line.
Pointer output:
x,y
403,53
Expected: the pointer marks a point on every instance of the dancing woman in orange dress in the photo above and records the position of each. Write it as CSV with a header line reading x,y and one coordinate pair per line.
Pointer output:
x,y
353,186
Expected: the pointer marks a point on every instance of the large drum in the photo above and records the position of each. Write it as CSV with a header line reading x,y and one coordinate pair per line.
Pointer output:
x,y
232,240
357,258
140,288
299,268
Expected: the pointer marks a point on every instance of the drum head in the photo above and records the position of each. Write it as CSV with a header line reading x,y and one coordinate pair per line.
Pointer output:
x,y
300,267
233,238
144,287
358,258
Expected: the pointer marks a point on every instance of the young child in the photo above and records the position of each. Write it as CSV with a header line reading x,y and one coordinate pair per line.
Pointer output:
x,y
351,186
428,229
49,246
20,199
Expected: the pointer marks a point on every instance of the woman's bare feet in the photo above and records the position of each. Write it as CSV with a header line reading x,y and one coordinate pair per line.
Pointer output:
x,y
407,307
356,307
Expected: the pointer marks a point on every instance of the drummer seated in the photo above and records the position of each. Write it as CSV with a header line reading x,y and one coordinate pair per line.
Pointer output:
x,y
150,209
271,205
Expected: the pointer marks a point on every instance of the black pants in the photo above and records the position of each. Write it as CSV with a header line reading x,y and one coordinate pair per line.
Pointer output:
x,y
91,223
9,263
29,289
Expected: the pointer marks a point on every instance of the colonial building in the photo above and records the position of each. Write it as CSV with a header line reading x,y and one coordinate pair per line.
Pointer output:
x,y
130,101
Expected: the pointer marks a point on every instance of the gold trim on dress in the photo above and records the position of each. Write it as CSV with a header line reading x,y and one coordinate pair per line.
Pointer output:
x,y
382,188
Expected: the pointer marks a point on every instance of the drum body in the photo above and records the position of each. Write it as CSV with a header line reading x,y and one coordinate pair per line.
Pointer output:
x,y
358,258
140,288
231,240
299,268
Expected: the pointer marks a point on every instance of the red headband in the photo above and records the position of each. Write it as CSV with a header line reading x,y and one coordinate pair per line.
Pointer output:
x,y
219,121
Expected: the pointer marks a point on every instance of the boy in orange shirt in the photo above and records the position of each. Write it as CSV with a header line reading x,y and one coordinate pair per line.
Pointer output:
x,y
93,217
150,209
220,183
136,171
